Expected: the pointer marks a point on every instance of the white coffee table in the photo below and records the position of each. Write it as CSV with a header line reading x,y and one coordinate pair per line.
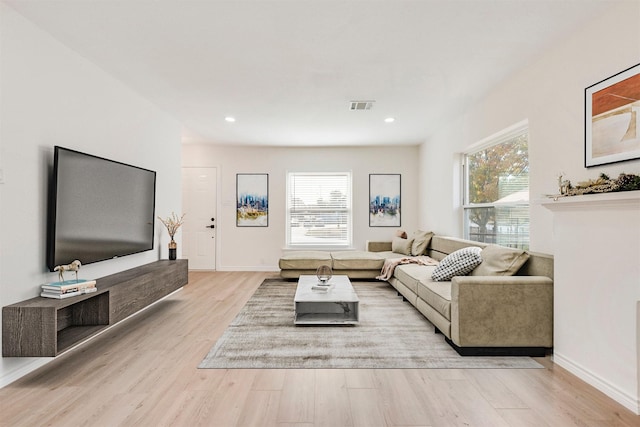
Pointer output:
x,y
336,306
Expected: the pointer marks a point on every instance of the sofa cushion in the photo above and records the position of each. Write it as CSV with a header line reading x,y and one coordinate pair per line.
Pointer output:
x,y
411,274
304,260
441,246
401,246
421,240
437,295
356,260
458,263
389,254
500,261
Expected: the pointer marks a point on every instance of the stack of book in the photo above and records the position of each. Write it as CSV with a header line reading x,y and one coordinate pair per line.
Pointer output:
x,y
68,288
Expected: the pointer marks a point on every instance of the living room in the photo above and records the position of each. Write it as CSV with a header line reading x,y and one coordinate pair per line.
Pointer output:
x,y
52,95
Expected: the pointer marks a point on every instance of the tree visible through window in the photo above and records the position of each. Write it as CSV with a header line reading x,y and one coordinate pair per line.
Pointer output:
x,y
497,191
319,209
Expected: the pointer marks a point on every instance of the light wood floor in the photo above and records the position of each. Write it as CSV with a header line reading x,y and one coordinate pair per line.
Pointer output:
x,y
143,373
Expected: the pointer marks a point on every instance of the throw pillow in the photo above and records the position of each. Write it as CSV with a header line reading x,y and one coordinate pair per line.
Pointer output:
x,y
401,234
500,261
421,240
401,246
457,263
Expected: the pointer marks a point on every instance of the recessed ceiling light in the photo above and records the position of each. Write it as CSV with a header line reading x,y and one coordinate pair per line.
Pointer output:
x,y
389,120
230,119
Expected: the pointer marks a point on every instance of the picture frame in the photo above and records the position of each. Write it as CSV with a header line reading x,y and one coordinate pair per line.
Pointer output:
x,y
612,119
385,197
252,200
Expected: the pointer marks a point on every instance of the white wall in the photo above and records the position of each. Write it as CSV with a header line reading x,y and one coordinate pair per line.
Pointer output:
x,y
596,303
50,96
549,92
266,244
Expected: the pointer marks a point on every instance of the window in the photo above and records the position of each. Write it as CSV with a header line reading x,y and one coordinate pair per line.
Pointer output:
x,y
319,209
496,193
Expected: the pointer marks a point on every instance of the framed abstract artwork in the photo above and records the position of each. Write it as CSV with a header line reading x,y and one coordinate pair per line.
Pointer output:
x,y
252,200
612,119
384,200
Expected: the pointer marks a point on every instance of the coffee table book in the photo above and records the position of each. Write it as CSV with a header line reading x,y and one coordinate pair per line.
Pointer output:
x,y
68,288
69,284
58,295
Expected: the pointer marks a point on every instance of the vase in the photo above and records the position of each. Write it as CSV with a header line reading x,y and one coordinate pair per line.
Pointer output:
x,y
324,274
173,249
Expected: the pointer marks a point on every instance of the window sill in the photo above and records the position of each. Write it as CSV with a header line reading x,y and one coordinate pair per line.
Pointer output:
x,y
318,248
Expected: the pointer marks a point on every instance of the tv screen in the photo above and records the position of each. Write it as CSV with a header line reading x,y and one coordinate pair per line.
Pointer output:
x,y
98,209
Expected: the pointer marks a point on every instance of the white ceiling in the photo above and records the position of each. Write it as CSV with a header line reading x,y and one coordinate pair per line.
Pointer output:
x,y
288,69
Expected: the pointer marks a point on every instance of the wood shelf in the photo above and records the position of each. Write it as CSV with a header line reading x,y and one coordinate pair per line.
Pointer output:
x,y
72,335
45,327
622,199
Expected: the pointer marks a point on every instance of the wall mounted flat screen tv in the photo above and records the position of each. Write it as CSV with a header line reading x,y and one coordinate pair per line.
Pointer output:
x,y
99,209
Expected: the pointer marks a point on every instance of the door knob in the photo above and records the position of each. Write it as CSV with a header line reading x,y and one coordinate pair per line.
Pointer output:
x,y
210,226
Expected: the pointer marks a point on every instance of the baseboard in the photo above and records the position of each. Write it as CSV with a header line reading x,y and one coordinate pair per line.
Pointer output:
x,y
498,351
11,375
249,268
630,402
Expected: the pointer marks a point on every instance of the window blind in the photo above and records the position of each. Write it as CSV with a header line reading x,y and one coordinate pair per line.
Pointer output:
x,y
319,209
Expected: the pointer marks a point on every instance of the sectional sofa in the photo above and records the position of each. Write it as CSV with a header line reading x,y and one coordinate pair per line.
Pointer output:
x,y
503,306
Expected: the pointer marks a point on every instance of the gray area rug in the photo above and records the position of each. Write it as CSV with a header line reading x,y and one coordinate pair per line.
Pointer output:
x,y
391,334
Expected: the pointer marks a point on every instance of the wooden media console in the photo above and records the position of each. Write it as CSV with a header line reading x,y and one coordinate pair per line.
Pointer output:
x,y
44,327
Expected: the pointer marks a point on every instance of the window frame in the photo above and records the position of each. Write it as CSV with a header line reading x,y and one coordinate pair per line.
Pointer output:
x,y
498,138
348,211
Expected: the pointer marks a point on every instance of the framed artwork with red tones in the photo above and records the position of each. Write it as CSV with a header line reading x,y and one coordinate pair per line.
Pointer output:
x,y
612,119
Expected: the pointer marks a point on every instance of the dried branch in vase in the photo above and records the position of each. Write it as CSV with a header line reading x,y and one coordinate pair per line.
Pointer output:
x,y
172,223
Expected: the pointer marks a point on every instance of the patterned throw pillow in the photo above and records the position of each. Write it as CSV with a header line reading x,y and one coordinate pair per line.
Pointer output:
x,y
458,263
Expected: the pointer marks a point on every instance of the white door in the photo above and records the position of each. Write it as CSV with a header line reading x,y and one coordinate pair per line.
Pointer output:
x,y
199,204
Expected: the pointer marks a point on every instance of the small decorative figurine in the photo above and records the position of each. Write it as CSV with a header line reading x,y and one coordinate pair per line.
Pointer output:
x,y
563,184
74,266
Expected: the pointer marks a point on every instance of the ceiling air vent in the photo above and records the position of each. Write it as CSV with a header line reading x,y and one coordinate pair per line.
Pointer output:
x,y
361,105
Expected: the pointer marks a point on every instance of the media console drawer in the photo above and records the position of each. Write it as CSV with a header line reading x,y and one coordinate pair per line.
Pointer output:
x,y
44,327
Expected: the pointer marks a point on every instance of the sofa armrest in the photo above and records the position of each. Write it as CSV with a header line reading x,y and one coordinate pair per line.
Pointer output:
x,y
373,246
502,311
